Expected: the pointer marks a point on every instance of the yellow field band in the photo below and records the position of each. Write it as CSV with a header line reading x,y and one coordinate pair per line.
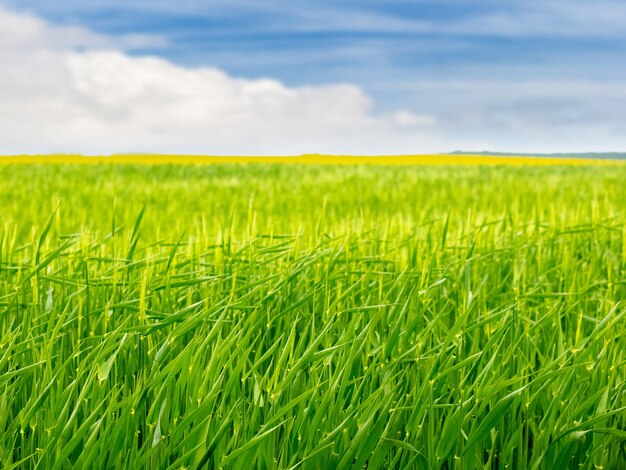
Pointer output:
x,y
434,159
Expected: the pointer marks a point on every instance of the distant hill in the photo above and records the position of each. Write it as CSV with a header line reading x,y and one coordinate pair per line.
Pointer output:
x,y
590,155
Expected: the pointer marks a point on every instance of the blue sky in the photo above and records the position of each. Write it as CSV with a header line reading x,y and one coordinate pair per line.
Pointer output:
x,y
504,75
367,42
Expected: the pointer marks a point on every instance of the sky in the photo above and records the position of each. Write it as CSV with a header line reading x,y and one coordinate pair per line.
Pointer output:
x,y
256,77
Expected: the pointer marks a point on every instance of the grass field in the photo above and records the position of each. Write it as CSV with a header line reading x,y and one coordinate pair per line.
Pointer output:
x,y
311,316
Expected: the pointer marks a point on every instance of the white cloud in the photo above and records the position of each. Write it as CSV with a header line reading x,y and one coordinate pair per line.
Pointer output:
x,y
54,97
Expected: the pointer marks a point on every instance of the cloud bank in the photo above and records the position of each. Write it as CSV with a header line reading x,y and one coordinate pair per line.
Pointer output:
x,y
71,90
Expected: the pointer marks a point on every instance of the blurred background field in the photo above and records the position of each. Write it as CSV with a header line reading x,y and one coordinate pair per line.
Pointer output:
x,y
201,199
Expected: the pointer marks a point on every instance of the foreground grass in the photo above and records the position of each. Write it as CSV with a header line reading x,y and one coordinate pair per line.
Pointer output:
x,y
315,317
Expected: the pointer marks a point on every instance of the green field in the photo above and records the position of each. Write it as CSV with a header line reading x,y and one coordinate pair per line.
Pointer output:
x,y
291,316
